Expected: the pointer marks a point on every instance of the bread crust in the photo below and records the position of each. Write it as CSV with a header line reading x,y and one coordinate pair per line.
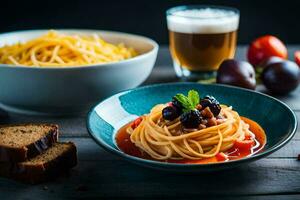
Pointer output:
x,y
14,155
41,172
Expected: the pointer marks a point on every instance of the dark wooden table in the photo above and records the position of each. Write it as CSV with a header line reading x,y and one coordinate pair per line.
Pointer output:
x,y
100,174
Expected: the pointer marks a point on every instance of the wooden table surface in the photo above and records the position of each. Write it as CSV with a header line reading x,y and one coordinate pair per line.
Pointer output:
x,y
100,174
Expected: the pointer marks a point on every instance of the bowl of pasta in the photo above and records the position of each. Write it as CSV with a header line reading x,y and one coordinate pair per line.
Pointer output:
x,y
191,127
67,71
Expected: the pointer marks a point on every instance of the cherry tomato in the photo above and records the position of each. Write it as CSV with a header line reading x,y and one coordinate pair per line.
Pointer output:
x,y
265,47
136,122
297,57
248,137
244,145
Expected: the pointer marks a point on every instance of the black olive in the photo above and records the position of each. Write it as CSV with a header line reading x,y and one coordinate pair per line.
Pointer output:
x,y
204,103
212,103
191,119
211,98
170,113
177,105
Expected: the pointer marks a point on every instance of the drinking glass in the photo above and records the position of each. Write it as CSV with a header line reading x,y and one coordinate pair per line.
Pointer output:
x,y
201,37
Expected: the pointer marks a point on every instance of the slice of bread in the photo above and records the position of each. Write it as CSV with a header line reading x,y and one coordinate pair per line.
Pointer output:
x,y
24,141
55,160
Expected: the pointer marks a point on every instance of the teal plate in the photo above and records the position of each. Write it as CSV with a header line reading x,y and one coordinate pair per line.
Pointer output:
x,y
276,118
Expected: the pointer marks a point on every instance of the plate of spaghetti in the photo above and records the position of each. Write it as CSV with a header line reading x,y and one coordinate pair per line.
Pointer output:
x,y
191,127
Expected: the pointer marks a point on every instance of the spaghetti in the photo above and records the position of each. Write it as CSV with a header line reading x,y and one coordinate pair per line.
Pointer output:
x,y
56,49
163,139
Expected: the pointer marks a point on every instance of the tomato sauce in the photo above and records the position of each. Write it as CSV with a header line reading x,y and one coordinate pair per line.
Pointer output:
x,y
236,152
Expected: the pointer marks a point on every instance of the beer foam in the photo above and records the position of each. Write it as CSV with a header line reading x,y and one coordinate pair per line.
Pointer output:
x,y
206,20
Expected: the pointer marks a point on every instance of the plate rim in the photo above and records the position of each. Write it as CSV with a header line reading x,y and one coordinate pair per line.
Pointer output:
x,y
152,163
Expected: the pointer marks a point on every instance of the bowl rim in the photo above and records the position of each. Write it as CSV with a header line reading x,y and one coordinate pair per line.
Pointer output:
x,y
152,163
145,39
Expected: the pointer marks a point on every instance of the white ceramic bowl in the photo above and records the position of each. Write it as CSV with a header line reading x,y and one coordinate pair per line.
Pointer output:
x,y
72,90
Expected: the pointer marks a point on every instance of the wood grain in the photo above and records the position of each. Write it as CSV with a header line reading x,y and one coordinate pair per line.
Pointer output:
x,y
121,179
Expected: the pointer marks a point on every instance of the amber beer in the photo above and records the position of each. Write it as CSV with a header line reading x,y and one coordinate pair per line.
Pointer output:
x,y
201,38
202,52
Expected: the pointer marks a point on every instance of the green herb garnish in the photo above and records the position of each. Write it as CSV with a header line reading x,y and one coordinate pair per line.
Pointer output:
x,y
188,102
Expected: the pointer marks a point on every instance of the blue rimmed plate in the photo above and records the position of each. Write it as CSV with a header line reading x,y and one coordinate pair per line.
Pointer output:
x,y
276,118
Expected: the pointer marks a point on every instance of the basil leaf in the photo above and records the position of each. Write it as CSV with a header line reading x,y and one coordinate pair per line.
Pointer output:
x,y
184,102
193,97
188,102
182,99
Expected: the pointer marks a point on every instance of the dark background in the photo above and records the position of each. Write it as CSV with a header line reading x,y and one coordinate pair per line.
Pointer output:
x,y
146,17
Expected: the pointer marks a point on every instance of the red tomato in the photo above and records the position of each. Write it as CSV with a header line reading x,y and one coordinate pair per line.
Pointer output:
x,y
248,137
297,57
221,156
244,145
265,47
136,122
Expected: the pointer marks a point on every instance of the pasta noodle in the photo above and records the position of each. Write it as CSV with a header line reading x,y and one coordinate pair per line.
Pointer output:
x,y
56,49
164,140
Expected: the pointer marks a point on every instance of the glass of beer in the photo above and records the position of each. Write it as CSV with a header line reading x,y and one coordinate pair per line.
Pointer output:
x,y
201,37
